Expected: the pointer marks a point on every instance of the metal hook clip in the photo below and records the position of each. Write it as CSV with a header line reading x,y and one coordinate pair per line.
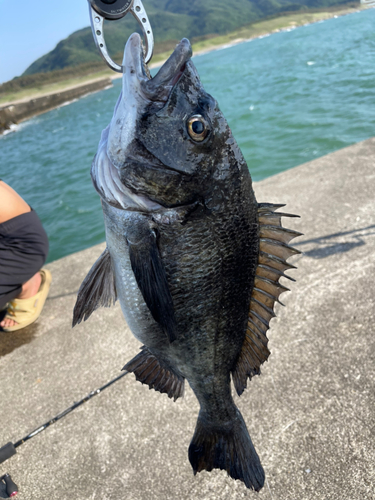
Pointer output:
x,y
116,9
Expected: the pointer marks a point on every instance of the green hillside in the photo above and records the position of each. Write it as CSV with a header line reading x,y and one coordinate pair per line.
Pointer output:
x,y
171,20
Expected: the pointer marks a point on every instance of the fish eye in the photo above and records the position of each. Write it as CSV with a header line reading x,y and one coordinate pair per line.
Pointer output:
x,y
197,128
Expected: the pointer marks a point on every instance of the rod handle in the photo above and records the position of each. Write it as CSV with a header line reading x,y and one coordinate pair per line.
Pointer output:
x,y
6,452
11,487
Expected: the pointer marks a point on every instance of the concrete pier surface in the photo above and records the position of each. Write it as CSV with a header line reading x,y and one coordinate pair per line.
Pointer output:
x,y
311,413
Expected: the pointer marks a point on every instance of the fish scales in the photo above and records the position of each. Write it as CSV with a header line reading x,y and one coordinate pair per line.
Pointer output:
x,y
185,257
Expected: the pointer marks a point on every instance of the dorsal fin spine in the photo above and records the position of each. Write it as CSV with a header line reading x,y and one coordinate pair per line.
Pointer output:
x,y
272,283
276,243
253,334
276,214
266,308
255,342
269,207
262,320
250,320
273,270
252,349
258,332
275,260
270,296
277,233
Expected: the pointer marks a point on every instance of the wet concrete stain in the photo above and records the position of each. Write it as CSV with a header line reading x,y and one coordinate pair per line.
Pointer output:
x,y
9,341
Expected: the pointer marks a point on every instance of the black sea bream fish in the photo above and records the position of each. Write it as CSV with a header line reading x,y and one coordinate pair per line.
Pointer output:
x,y
192,257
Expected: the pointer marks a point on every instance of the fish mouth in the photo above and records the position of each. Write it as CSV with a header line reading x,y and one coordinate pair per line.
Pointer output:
x,y
118,147
160,86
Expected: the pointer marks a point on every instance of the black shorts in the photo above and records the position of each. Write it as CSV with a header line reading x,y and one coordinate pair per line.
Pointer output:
x,y
23,251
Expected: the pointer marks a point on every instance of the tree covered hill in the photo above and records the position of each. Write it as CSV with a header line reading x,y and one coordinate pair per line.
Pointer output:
x,y
171,20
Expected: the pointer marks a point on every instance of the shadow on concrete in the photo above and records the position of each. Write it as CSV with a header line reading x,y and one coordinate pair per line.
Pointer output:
x,y
325,246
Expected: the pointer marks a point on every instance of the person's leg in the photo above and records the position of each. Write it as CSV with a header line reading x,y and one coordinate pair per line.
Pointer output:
x,y
31,287
11,203
7,296
23,252
28,290
11,207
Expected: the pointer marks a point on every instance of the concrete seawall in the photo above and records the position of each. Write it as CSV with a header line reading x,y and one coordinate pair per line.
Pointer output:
x,y
23,110
310,414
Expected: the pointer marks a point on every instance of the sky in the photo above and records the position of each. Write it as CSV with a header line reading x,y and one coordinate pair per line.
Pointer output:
x,y
31,28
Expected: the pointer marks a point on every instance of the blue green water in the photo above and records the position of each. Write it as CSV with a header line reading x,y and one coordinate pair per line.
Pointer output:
x,y
289,98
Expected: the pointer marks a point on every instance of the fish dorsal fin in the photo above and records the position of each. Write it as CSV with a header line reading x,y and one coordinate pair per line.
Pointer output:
x,y
98,289
274,250
157,375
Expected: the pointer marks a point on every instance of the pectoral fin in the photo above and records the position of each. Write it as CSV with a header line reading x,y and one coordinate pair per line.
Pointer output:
x,y
98,289
151,277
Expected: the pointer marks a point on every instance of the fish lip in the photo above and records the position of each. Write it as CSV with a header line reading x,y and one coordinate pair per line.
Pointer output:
x,y
133,62
161,85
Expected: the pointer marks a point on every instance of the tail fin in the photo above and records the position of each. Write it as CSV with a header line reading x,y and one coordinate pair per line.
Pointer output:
x,y
229,448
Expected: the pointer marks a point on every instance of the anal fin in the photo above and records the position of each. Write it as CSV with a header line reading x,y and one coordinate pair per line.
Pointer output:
x,y
98,289
157,375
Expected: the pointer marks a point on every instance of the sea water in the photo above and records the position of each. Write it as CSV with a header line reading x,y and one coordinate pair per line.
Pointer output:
x,y
289,98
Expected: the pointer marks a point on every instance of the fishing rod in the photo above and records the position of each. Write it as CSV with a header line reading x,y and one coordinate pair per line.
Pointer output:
x,y
10,449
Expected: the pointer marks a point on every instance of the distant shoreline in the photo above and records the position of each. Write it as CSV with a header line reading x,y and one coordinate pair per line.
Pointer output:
x,y
237,41
325,15
16,111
